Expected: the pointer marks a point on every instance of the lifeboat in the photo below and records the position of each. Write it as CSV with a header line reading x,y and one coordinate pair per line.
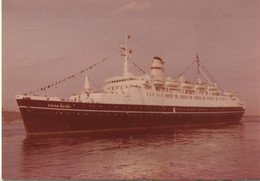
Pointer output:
x,y
147,86
159,83
172,84
201,87
212,88
231,94
187,86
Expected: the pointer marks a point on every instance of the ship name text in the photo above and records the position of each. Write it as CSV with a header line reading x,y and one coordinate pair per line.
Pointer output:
x,y
59,105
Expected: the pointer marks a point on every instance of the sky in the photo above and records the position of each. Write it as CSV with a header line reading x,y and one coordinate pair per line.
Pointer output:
x,y
47,40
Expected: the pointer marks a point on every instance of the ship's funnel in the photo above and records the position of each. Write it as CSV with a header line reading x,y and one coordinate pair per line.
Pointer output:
x,y
86,85
157,68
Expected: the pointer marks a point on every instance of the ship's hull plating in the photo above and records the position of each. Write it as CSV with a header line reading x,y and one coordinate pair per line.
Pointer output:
x,y
58,116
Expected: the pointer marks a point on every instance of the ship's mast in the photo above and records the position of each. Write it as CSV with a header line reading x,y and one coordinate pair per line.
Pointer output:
x,y
198,63
126,56
124,53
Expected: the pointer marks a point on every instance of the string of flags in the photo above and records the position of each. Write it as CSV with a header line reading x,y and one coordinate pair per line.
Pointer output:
x,y
65,79
139,68
124,53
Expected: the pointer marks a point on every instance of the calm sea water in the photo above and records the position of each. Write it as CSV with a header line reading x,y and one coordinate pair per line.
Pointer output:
x,y
212,152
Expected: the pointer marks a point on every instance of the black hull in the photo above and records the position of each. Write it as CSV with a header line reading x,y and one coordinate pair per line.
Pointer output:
x,y
42,117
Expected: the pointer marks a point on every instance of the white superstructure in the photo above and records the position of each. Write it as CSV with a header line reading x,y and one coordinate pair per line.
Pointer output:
x,y
156,89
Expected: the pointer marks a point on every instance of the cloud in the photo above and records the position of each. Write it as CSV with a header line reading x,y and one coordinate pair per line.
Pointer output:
x,y
133,6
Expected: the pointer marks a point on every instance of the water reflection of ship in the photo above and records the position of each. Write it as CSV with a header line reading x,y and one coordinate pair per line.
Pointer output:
x,y
75,152
37,143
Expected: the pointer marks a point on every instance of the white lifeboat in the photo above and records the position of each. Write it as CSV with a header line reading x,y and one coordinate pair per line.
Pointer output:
x,y
172,84
231,94
147,86
159,83
201,87
212,88
187,86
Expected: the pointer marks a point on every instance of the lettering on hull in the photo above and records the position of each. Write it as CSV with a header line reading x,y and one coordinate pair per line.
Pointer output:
x,y
59,106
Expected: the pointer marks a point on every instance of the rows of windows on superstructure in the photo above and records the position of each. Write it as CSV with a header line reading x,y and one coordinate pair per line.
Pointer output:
x,y
186,91
185,96
183,91
182,96
204,95
120,80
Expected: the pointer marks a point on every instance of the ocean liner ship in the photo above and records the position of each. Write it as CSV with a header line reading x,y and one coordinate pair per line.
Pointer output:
x,y
131,101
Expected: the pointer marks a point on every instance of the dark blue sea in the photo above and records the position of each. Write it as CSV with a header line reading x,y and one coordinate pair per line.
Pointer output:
x,y
193,152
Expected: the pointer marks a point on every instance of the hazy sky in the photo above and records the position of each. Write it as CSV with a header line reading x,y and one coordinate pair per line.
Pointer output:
x,y
47,40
